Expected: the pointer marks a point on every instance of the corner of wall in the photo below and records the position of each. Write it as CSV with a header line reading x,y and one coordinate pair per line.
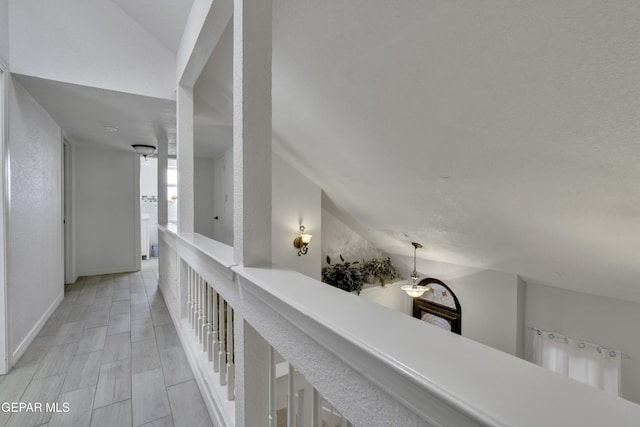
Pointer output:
x,y
521,327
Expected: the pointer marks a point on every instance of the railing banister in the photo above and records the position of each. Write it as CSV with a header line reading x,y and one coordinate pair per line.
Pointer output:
x,y
347,347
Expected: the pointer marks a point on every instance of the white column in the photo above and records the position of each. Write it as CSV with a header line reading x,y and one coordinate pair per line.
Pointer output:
x,y
252,131
252,377
163,150
184,104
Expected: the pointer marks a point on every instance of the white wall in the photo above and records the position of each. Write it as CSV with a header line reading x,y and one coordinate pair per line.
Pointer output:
x,y
203,212
605,321
4,31
389,295
107,211
340,239
75,42
489,300
296,201
35,238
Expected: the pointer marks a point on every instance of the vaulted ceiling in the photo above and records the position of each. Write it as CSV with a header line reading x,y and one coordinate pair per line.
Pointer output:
x,y
500,135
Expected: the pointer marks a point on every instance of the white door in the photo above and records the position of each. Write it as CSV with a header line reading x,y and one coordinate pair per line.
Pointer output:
x,y
219,230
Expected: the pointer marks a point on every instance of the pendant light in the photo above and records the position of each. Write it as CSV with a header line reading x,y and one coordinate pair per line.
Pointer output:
x,y
413,289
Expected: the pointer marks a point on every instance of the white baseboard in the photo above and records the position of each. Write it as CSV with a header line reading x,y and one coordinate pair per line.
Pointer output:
x,y
109,270
26,342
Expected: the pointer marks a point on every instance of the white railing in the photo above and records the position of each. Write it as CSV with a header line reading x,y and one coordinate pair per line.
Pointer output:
x,y
364,364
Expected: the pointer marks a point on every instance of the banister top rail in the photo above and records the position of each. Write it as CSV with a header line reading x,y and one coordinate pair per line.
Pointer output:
x,y
217,251
488,386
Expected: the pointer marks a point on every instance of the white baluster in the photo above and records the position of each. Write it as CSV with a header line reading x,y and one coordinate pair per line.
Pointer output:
x,y
192,313
300,408
223,345
189,294
206,318
215,344
194,297
272,388
291,400
200,309
315,409
231,370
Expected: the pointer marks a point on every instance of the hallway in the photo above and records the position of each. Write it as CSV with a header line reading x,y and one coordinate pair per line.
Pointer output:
x,y
109,356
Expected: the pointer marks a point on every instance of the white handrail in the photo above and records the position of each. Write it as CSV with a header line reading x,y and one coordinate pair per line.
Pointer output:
x,y
414,373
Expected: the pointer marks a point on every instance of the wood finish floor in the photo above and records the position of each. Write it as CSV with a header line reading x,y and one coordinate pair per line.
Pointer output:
x,y
111,356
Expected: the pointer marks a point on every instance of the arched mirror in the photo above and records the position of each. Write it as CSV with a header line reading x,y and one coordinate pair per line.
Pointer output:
x,y
438,306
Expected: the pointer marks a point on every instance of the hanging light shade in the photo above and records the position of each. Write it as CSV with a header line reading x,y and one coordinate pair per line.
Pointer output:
x,y
412,288
144,150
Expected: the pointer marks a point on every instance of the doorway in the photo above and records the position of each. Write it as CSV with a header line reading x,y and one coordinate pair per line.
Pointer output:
x,y
148,208
67,194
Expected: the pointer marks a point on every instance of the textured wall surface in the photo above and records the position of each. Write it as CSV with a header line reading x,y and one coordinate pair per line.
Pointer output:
x,y
339,239
35,214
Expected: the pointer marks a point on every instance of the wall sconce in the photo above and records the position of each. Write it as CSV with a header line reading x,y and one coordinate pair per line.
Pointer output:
x,y
302,241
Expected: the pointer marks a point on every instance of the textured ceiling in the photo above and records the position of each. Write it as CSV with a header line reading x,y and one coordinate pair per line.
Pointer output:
x,y
501,135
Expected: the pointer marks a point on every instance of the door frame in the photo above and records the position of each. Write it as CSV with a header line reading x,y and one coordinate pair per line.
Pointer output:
x,y
4,204
67,212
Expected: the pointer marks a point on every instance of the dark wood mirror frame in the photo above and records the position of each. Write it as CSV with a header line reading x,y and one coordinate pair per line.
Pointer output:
x,y
451,315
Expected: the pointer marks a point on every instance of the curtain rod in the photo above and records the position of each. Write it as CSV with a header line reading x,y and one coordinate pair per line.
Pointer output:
x,y
623,355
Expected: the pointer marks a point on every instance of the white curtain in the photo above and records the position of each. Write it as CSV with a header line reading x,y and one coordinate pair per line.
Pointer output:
x,y
585,362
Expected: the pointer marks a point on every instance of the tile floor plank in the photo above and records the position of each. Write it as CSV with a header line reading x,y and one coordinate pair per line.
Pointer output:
x,y
187,406
97,318
162,422
117,347
118,414
149,397
175,365
142,330
83,372
74,408
114,383
56,360
119,323
92,340
144,356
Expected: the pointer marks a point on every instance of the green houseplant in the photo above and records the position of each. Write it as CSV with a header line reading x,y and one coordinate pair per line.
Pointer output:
x,y
378,269
343,275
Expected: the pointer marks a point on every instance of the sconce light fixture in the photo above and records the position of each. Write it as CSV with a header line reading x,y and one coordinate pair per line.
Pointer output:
x,y
302,241
144,150
413,289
